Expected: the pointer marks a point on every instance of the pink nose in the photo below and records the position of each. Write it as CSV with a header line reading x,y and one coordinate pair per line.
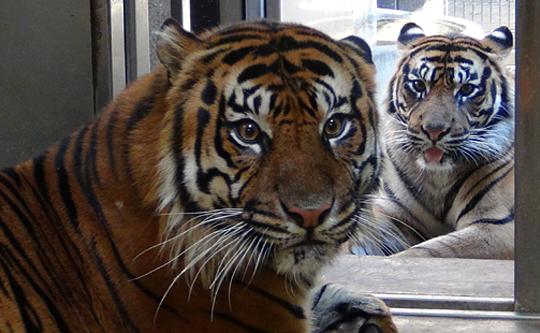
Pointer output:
x,y
308,218
434,131
434,134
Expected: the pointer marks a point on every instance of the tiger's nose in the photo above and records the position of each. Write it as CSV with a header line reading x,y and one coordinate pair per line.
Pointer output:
x,y
434,131
308,218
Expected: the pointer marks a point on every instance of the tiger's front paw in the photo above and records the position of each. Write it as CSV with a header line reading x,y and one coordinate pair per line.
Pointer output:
x,y
339,310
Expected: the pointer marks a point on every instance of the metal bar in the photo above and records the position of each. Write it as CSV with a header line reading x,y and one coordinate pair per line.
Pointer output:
x,y
509,7
464,314
130,48
176,11
490,12
101,53
482,12
204,14
273,9
527,270
500,11
231,11
254,9
118,55
402,300
142,37
186,15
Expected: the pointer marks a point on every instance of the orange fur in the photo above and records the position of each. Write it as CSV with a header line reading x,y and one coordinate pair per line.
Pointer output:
x,y
75,220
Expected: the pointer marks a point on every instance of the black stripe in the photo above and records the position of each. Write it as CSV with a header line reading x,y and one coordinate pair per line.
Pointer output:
x,y
27,313
62,235
318,297
203,116
209,57
392,197
413,190
10,172
218,142
504,220
462,60
317,67
109,139
432,252
51,307
92,156
20,249
474,201
246,327
209,92
237,38
63,183
142,109
48,266
265,226
294,309
87,187
237,55
452,193
113,291
252,72
491,173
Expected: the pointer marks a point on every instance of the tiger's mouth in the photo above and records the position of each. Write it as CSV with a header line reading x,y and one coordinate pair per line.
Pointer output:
x,y
433,155
308,243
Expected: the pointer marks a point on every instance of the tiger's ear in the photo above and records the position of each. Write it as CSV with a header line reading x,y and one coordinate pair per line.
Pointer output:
x,y
408,34
499,41
174,43
360,46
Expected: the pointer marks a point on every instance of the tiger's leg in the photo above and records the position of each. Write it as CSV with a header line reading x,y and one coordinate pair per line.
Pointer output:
x,y
339,310
393,225
479,240
483,217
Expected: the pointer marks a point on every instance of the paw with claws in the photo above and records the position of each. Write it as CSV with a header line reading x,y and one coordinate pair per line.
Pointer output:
x,y
339,310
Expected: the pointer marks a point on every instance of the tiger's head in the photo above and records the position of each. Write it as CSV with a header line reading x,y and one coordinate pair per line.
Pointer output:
x,y
269,142
450,101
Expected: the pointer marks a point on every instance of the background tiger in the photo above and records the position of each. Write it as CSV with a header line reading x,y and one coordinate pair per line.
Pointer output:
x,y
448,174
244,158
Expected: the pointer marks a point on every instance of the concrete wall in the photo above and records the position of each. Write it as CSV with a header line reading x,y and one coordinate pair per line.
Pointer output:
x,y
45,74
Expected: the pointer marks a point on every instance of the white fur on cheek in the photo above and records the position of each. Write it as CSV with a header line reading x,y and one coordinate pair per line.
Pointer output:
x,y
167,188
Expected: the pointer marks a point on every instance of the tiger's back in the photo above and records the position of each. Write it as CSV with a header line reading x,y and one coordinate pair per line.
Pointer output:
x,y
59,214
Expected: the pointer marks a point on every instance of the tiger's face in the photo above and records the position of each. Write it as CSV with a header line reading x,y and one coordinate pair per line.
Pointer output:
x,y
269,142
450,101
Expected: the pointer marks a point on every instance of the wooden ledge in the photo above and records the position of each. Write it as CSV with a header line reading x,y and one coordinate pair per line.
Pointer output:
x,y
438,295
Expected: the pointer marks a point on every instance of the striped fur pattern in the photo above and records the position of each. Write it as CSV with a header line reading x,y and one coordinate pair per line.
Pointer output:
x,y
205,198
448,176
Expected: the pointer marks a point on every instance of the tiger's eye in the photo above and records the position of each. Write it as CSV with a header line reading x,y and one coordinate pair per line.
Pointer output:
x,y
248,130
333,127
419,86
466,89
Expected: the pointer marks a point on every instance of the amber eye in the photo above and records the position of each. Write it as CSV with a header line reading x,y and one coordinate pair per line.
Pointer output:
x,y
248,130
333,127
419,86
466,89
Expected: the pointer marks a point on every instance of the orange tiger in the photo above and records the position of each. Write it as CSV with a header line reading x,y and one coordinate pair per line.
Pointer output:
x,y
205,198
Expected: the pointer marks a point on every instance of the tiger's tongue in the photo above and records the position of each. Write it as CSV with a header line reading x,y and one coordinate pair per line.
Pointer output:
x,y
433,155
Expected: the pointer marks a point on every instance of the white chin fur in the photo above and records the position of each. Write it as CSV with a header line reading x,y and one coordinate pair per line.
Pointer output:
x,y
302,262
444,166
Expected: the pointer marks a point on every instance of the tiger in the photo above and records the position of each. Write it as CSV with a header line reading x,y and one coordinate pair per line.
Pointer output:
x,y
206,197
447,181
